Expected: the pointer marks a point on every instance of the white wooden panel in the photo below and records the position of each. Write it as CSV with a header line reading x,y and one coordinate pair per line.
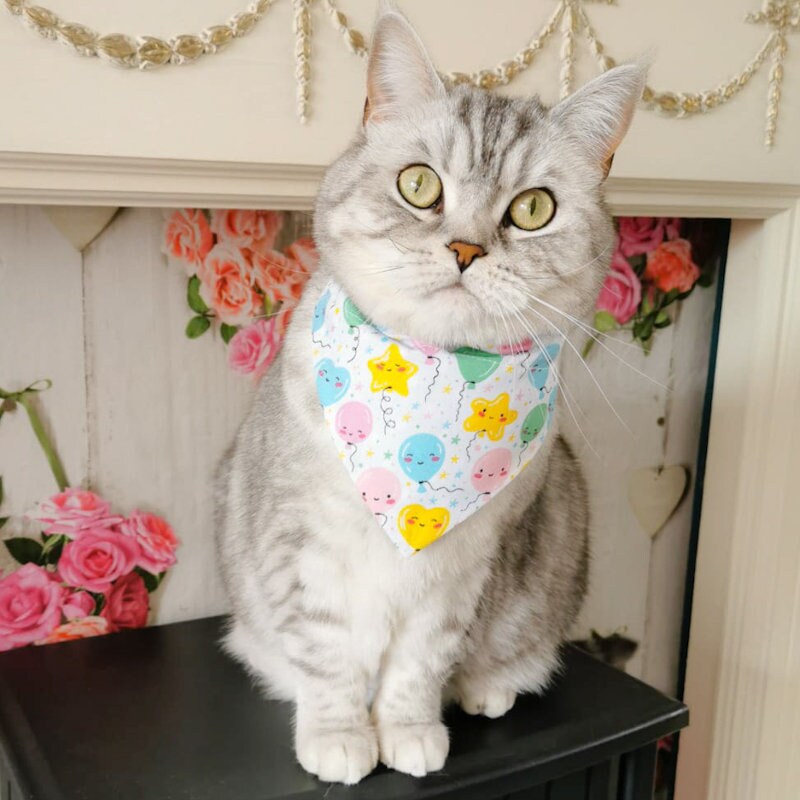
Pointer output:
x,y
41,336
240,105
161,407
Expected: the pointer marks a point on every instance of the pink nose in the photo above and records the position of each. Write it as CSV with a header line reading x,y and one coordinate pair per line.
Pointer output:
x,y
466,253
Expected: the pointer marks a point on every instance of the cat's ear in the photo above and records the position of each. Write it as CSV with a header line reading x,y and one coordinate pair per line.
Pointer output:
x,y
600,112
400,74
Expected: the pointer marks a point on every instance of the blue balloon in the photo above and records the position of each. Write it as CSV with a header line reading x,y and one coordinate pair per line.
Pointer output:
x,y
421,457
319,311
539,371
332,381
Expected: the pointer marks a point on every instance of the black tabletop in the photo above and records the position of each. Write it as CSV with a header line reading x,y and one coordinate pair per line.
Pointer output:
x,y
163,713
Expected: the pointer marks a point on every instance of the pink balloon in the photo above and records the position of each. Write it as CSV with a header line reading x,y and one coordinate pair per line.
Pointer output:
x,y
380,489
353,422
427,349
491,470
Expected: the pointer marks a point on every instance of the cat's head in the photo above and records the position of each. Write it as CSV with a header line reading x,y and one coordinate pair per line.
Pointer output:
x,y
461,217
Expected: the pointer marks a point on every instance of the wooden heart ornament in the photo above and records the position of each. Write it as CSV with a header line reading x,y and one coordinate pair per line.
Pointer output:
x,y
80,225
654,493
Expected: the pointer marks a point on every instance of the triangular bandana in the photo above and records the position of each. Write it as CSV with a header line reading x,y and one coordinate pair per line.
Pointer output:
x,y
427,435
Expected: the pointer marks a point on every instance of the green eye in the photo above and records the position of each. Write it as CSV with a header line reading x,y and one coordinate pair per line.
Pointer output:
x,y
532,209
419,185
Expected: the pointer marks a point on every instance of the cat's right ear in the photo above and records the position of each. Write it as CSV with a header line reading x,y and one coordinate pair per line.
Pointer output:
x,y
400,74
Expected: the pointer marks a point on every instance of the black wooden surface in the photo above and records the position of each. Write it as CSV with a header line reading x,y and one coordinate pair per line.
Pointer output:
x,y
161,713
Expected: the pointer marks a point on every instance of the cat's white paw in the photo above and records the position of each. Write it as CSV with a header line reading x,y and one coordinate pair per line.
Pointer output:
x,y
338,756
486,700
414,749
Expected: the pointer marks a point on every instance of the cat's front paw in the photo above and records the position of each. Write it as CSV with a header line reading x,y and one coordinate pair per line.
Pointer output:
x,y
414,749
338,756
486,700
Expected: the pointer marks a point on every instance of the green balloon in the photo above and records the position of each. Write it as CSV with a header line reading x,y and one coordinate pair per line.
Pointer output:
x,y
352,313
476,365
533,424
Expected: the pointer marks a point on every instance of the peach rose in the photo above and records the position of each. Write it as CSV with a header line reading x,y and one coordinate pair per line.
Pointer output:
x,y
77,629
621,292
72,510
282,277
670,266
97,558
30,606
253,349
187,237
126,604
156,539
225,285
78,604
245,228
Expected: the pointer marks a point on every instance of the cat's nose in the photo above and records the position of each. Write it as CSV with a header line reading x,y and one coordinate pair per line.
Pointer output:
x,y
466,253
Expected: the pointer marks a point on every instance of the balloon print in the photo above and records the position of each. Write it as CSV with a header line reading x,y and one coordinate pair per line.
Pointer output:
x,y
353,425
421,457
380,489
491,470
431,360
352,314
420,526
533,425
319,312
332,381
539,371
476,365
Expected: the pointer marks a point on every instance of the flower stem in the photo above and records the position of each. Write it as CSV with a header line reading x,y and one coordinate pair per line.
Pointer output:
x,y
25,399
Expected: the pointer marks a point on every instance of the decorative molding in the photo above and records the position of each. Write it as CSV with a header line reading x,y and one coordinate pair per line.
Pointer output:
x,y
145,52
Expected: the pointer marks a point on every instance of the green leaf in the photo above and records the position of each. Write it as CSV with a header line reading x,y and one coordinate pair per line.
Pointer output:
x,y
227,331
196,303
267,306
24,550
604,322
1,491
663,320
197,326
53,546
3,521
151,582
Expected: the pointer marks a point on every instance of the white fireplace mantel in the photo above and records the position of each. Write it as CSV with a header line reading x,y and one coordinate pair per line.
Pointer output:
x,y
223,132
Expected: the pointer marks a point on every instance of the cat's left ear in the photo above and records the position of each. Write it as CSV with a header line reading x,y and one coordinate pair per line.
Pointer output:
x,y
600,112
400,74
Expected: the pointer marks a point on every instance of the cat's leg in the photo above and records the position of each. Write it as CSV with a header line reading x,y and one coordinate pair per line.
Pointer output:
x,y
532,596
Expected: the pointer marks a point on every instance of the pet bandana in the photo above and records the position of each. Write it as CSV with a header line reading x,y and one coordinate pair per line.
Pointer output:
x,y
427,435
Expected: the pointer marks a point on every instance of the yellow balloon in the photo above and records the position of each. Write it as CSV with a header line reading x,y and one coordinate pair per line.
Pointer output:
x,y
420,526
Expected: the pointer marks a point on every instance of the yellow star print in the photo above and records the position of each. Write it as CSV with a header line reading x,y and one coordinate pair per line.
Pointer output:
x,y
490,417
454,459
391,372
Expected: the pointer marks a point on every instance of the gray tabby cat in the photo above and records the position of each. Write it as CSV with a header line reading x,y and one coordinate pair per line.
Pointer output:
x,y
325,611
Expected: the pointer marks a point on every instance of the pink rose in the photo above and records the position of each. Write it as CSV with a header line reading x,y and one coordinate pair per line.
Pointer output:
x,y
187,236
253,349
30,606
97,558
639,235
245,228
126,604
78,604
621,292
77,629
72,510
225,285
156,540
670,266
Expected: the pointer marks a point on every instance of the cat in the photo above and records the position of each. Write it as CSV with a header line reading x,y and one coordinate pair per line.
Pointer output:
x,y
325,612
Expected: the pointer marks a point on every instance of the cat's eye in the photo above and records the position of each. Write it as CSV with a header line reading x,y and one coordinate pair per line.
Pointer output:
x,y
532,209
419,185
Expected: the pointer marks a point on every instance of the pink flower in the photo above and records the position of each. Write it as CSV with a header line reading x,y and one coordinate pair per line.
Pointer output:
x,y
244,228
621,292
639,235
78,604
77,629
225,285
97,558
670,266
72,510
156,540
187,236
126,604
253,349
282,277
30,606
